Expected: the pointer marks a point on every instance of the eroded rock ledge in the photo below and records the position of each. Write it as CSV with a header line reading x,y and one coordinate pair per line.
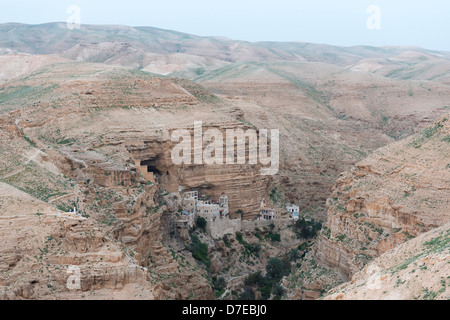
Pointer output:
x,y
400,192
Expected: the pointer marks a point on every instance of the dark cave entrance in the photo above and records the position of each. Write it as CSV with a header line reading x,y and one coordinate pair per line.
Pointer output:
x,y
151,165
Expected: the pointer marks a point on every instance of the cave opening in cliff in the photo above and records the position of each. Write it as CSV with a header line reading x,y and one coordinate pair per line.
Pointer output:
x,y
151,165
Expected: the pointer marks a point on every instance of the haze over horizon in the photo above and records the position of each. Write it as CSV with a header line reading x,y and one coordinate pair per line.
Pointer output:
x,y
343,24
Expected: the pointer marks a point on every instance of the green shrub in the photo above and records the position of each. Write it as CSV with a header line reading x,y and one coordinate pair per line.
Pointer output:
x,y
307,229
254,279
277,291
199,251
277,268
239,238
219,285
201,223
274,237
247,294
226,241
294,255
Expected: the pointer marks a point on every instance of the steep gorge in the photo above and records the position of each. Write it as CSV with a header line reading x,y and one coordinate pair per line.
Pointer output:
x,y
398,193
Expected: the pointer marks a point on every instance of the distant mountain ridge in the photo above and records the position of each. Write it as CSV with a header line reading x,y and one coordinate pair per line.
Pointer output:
x,y
141,47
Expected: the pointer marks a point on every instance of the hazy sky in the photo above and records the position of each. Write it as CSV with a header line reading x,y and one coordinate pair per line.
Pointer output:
x,y
339,22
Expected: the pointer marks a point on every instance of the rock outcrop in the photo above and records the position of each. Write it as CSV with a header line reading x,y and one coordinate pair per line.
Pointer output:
x,y
417,269
243,183
399,192
42,250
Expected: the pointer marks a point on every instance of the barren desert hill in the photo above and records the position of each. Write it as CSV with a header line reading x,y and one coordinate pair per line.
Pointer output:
x,y
59,81
166,51
411,65
345,93
17,65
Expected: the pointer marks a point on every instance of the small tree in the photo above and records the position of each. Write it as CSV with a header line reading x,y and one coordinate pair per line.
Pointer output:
x,y
307,232
199,251
201,223
278,291
275,237
239,238
277,269
294,255
255,279
307,229
247,294
219,284
274,268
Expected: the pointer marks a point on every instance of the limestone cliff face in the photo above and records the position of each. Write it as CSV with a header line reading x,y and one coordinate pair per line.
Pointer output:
x,y
398,193
116,249
39,251
131,211
244,184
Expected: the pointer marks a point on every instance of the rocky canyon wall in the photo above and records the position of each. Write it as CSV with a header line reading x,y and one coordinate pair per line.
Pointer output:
x,y
399,192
